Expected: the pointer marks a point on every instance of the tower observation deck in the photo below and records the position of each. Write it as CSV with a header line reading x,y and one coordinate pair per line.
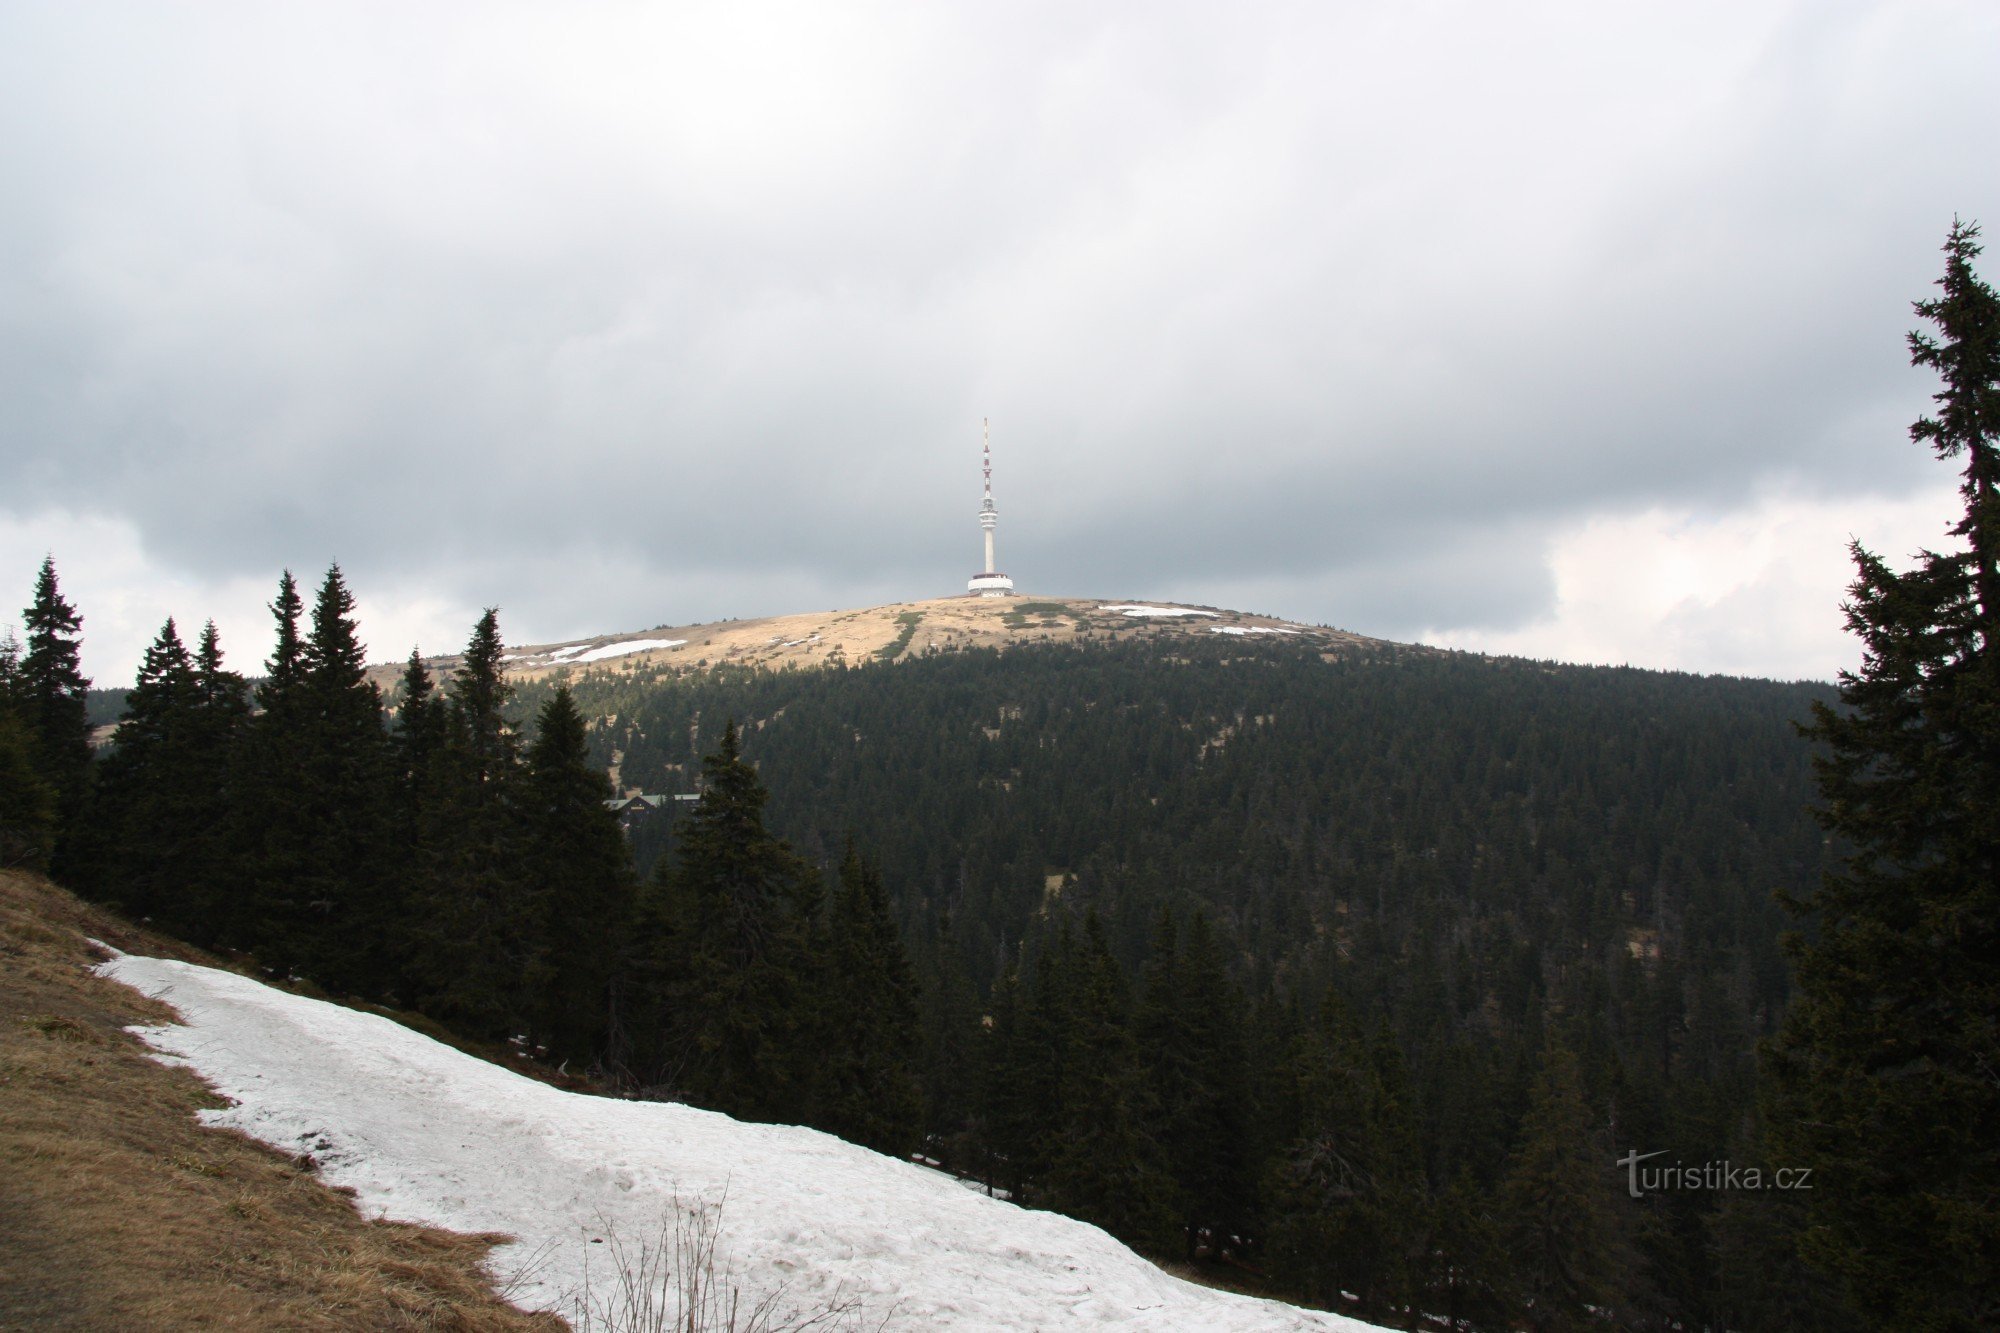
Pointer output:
x,y
988,583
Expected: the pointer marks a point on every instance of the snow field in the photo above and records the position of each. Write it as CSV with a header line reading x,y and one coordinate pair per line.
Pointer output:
x,y
423,1133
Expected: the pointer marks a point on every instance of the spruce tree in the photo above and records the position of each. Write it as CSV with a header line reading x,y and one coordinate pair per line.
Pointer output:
x,y
1107,1166
732,914
869,1020
343,919
216,724
1343,1189
1883,1079
270,826
285,671
1009,1114
478,952
143,833
27,801
1191,1029
51,690
580,874
421,722
1464,1274
950,1070
417,757
1557,1204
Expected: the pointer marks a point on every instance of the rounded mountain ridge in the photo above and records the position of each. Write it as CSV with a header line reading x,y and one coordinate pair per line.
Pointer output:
x,y
901,629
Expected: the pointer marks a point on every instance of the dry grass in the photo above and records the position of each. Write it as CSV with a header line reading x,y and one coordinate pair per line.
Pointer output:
x,y
118,1211
862,635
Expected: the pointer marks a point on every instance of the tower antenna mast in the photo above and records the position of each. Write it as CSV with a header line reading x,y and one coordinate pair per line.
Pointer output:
x,y
988,583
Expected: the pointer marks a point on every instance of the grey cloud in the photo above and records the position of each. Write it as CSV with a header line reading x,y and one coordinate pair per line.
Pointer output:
x,y
1348,311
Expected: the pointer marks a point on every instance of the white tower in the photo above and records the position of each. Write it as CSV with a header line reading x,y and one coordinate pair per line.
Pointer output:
x,y
989,584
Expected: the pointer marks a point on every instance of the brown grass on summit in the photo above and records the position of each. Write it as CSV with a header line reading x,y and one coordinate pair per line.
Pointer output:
x,y
119,1211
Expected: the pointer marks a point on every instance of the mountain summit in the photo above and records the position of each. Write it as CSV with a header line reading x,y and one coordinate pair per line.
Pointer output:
x,y
903,629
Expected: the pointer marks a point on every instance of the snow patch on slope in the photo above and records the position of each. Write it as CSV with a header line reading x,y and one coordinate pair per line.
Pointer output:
x,y
1136,609
622,649
423,1133
583,652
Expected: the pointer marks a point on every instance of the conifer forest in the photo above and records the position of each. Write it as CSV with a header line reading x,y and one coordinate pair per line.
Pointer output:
x,y
1361,977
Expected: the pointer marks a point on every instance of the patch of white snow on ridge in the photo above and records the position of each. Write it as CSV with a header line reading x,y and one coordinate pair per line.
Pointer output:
x,y
1249,629
423,1133
621,649
1138,610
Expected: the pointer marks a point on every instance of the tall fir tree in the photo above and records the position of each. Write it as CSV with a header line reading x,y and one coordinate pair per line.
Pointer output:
x,y
478,960
1883,1079
580,875
868,1091
1191,1031
417,745
1557,1204
342,896
730,921
269,826
1343,1190
51,692
159,837
949,1072
27,800
285,672
1107,1165
142,831
421,724
215,735
1008,1116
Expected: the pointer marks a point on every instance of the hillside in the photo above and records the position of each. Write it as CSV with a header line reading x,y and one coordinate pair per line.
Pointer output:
x,y
118,1211
1280,949
423,1133
897,630
1481,862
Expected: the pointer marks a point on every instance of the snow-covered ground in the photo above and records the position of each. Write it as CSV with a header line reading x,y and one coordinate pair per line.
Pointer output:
x,y
610,650
1135,609
578,653
423,1133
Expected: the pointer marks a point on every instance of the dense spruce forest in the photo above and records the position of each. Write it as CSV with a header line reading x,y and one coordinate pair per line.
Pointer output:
x,y
1441,878
1351,972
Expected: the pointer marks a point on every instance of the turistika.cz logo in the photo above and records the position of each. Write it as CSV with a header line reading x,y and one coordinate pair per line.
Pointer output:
x,y
1723,1175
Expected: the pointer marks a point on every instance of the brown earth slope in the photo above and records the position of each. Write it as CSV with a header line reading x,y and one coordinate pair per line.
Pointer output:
x,y
118,1211
877,633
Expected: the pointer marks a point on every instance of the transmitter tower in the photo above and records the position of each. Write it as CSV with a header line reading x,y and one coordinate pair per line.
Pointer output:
x,y
989,583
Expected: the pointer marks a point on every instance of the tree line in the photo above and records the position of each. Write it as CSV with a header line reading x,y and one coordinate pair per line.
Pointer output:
x,y
440,854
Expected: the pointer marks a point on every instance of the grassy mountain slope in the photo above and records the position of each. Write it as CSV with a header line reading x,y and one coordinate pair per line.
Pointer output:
x,y
117,1210
892,632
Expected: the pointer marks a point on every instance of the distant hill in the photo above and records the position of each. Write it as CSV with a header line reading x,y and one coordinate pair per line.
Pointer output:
x,y
1486,859
893,632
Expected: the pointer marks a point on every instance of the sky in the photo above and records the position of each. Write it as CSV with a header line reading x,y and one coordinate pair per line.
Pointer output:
x,y
1570,330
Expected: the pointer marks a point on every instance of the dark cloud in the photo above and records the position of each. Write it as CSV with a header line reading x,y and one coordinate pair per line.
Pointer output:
x,y
618,317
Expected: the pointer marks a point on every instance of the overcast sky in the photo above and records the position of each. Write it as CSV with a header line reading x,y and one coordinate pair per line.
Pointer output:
x,y
1567,329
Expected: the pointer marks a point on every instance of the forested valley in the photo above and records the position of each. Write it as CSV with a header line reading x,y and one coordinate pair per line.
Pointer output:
x,y
1367,959
1343,975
